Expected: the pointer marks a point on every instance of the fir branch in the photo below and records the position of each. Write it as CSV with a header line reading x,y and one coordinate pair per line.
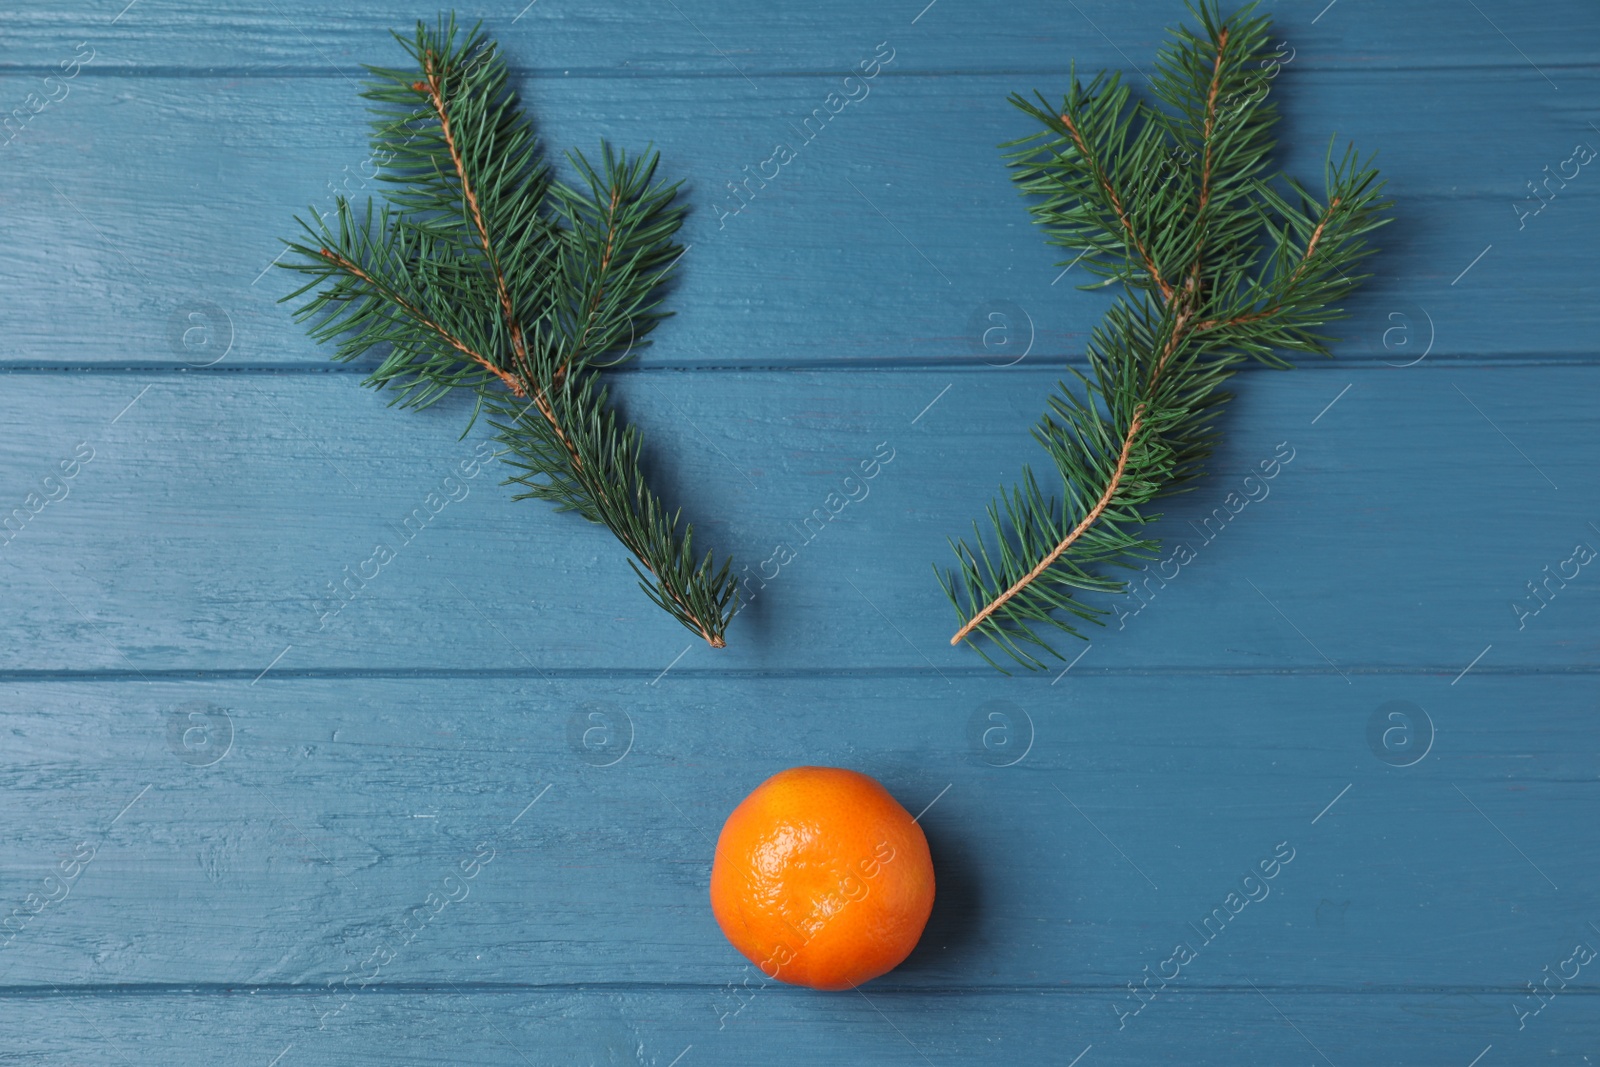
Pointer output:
x,y
482,272
1220,267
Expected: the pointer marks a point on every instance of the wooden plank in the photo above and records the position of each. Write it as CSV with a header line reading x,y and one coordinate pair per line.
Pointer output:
x,y
678,1028
282,833
716,38
221,515
892,236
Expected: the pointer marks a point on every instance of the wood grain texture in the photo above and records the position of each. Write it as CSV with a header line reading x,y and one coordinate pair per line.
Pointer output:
x,y
847,255
219,513
1135,807
651,1028
714,38
463,813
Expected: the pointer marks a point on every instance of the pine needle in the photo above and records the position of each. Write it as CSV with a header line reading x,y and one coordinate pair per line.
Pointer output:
x,y
483,272
1221,263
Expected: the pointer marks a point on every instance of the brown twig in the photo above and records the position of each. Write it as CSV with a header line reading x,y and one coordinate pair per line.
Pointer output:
x,y
605,263
1134,425
1268,312
1211,118
1174,339
355,271
1205,168
433,87
1077,531
1116,204
1316,235
714,640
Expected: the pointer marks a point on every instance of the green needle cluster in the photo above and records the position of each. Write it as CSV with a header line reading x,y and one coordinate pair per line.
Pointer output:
x,y
1221,263
481,271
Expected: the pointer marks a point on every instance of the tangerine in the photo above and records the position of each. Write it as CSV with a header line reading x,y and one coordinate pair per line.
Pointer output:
x,y
822,879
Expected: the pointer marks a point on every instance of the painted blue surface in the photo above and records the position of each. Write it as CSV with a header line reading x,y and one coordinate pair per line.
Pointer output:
x,y
224,795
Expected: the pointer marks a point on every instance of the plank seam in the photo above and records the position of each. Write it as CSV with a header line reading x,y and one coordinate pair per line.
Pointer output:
x,y
229,674
448,988
1047,363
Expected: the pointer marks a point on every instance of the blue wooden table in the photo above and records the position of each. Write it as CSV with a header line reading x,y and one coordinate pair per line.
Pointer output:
x,y
463,812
